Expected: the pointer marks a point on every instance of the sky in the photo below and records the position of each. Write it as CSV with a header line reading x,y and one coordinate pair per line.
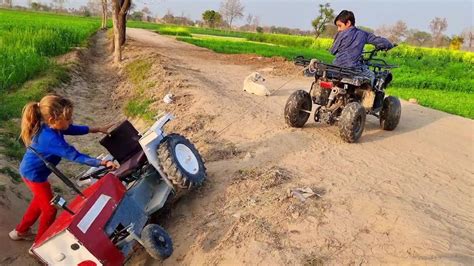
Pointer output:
x,y
299,13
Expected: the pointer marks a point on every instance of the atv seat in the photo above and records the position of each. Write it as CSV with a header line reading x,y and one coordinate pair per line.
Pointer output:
x,y
128,166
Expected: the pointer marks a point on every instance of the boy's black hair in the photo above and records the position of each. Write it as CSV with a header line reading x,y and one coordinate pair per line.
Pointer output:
x,y
345,16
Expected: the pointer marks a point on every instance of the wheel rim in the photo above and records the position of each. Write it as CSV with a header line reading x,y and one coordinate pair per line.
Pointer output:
x,y
186,159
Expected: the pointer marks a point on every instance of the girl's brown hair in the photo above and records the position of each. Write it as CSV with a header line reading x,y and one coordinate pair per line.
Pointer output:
x,y
49,107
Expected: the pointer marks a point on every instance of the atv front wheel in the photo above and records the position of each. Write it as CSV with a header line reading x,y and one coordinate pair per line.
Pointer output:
x,y
390,114
181,162
352,122
298,108
157,241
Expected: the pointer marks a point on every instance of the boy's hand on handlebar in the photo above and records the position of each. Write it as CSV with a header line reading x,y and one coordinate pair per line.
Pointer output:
x,y
109,164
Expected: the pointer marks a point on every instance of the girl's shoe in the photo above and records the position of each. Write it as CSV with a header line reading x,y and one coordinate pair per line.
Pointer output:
x,y
16,236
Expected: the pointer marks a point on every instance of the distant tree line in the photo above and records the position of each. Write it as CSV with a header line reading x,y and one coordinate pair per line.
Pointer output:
x,y
233,10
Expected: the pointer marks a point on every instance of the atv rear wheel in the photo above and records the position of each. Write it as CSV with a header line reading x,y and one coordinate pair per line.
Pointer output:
x,y
390,114
298,108
181,162
352,122
157,241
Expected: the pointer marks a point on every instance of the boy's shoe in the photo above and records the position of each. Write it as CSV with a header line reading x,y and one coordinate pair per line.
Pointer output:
x,y
15,235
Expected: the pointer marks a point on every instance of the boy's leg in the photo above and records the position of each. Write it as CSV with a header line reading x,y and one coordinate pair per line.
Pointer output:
x,y
32,212
48,211
370,75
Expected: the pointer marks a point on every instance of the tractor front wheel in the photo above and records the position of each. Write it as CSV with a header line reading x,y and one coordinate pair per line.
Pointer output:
x,y
157,241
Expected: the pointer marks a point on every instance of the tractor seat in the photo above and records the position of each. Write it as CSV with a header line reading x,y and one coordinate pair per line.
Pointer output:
x,y
131,164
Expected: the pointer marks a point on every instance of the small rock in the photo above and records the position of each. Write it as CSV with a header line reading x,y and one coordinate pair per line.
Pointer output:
x,y
248,156
295,215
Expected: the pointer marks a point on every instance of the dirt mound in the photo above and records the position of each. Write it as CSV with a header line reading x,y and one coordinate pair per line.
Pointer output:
x,y
276,66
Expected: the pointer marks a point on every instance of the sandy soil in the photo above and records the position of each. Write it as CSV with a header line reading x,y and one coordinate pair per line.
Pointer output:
x,y
401,197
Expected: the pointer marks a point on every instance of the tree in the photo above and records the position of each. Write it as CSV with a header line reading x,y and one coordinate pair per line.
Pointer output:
x,y
456,43
38,6
437,27
59,4
104,14
399,31
249,19
94,7
468,35
330,31
232,10
146,14
119,18
136,15
419,38
259,29
326,14
394,33
212,18
7,3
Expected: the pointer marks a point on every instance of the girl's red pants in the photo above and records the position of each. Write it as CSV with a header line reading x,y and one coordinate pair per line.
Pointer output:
x,y
39,207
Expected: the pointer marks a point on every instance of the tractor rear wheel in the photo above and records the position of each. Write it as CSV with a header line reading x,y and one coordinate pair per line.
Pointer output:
x,y
181,162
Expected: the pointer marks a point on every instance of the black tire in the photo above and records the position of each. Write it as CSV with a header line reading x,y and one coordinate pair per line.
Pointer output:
x,y
391,113
298,101
352,122
174,170
157,241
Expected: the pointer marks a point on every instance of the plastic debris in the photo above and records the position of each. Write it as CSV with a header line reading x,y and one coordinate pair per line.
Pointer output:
x,y
168,98
303,193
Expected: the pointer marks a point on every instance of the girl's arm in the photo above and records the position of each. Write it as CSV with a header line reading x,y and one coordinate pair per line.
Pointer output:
x,y
104,129
83,130
59,147
76,130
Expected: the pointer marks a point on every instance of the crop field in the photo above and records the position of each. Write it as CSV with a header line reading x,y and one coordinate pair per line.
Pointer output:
x,y
27,43
437,78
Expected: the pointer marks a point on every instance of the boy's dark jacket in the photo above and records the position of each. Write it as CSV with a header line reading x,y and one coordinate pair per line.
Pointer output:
x,y
349,44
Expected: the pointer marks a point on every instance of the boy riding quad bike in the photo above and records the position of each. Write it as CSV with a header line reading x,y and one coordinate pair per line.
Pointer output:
x,y
353,86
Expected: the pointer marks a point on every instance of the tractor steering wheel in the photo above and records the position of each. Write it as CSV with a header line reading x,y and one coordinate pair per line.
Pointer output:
x,y
96,174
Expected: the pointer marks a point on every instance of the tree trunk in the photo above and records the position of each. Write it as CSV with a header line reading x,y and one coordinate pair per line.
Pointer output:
x,y
104,14
119,18
116,39
122,22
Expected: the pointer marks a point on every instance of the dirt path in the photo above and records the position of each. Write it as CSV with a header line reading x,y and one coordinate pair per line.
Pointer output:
x,y
396,197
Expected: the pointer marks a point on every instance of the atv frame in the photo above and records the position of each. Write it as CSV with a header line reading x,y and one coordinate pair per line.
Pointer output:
x,y
345,96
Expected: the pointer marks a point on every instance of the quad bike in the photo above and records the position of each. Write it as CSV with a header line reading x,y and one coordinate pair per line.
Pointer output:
x,y
103,224
344,96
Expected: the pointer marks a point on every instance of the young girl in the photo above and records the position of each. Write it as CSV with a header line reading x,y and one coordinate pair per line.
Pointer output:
x,y
43,126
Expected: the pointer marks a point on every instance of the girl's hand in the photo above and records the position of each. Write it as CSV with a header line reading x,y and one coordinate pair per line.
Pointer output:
x,y
104,129
109,164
